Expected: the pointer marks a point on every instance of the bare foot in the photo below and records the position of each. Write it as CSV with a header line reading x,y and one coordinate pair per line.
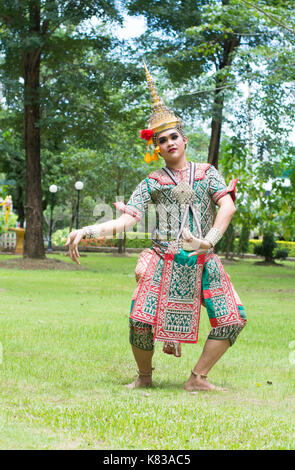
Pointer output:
x,y
198,382
140,382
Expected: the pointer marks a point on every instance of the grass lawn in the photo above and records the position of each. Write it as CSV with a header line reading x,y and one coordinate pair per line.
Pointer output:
x,y
66,356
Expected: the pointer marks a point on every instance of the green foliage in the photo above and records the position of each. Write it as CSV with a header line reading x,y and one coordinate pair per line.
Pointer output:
x,y
263,211
133,240
281,254
226,244
267,247
94,99
197,146
12,162
243,246
65,97
281,245
286,246
258,250
90,112
199,42
59,237
11,223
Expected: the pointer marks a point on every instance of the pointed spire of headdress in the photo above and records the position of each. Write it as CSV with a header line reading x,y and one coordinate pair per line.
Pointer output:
x,y
162,117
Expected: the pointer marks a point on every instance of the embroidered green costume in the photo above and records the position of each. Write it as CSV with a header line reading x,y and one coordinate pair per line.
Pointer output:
x,y
171,286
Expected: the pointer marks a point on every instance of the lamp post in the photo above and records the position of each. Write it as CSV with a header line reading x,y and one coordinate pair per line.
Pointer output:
x,y
79,186
52,189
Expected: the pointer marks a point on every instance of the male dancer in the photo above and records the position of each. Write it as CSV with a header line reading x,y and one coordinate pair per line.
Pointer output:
x,y
180,271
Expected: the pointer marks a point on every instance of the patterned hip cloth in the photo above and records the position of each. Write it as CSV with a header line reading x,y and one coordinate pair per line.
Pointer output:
x,y
224,308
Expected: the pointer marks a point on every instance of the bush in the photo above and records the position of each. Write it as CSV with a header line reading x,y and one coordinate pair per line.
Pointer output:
x,y
281,254
258,250
290,246
12,220
133,240
108,242
142,240
282,244
243,244
267,247
59,237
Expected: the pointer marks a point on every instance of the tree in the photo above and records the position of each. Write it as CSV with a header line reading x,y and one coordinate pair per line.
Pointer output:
x,y
226,244
199,43
266,248
29,31
243,245
13,161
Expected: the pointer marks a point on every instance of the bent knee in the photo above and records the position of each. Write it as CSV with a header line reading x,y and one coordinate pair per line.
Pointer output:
x,y
230,332
141,335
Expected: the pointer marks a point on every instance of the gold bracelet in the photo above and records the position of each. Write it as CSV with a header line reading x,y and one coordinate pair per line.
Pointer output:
x,y
213,236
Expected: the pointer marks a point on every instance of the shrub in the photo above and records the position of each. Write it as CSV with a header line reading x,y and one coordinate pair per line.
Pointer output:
x,y
267,247
59,237
258,250
290,246
281,244
281,254
107,242
133,240
12,220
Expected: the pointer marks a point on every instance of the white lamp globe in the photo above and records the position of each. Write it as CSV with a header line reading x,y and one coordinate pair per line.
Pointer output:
x,y
267,186
79,185
286,183
53,188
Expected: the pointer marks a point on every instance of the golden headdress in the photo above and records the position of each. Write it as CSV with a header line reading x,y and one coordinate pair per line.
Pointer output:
x,y
162,118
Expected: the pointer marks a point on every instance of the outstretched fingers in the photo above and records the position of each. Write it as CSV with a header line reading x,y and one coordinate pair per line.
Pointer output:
x,y
72,242
75,252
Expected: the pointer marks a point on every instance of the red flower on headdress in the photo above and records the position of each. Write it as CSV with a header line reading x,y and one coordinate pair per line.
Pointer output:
x,y
147,134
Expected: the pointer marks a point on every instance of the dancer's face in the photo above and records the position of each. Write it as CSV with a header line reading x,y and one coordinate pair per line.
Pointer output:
x,y
172,146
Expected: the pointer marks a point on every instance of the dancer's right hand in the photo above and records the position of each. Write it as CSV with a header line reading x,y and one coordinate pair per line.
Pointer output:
x,y
72,242
196,246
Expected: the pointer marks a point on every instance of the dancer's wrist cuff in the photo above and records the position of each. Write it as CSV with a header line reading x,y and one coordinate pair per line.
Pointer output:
x,y
91,231
213,236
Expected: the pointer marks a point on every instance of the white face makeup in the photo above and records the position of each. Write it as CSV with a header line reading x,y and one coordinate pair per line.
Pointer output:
x,y
172,147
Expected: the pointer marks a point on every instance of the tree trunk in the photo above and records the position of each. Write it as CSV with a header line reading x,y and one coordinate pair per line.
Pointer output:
x,y
20,206
122,244
229,45
34,245
216,124
121,240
